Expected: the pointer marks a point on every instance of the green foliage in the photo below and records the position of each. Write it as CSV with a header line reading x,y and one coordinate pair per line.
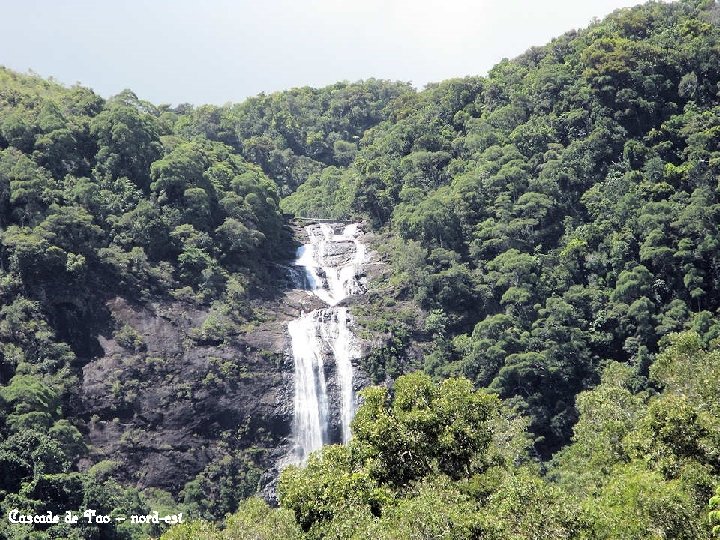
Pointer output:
x,y
550,231
99,198
127,138
561,211
293,135
223,484
427,428
645,462
253,520
714,513
424,430
128,338
637,504
447,514
331,484
524,506
326,196
195,530
608,413
403,475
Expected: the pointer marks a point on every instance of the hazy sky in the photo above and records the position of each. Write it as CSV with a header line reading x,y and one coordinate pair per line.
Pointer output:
x,y
214,51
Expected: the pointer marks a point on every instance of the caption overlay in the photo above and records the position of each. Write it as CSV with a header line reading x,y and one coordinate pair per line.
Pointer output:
x,y
90,516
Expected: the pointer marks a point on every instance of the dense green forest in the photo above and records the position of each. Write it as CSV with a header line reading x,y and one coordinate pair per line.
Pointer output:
x,y
103,198
547,316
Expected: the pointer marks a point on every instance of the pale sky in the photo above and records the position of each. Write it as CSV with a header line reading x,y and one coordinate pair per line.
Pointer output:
x,y
215,51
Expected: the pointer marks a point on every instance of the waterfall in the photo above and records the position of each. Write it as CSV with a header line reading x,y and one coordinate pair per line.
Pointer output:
x,y
336,333
311,406
330,264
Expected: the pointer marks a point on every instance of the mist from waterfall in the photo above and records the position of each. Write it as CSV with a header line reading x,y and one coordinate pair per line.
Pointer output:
x,y
330,265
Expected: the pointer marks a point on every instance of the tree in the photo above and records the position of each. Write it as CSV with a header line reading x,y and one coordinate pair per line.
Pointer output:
x,y
424,428
128,139
714,514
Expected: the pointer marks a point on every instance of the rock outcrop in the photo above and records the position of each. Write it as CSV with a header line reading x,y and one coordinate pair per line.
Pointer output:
x,y
160,409
159,399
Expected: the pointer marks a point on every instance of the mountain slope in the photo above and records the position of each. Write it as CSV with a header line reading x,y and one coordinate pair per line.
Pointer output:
x,y
558,213
545,230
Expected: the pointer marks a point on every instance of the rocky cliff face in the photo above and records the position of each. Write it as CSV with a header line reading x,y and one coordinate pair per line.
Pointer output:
x,y
161,409
164,404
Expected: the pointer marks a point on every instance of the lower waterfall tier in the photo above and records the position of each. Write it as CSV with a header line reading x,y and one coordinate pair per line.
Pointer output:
x,y
323,349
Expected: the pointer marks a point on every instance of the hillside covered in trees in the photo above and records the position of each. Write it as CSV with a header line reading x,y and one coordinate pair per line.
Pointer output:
x,y
546,319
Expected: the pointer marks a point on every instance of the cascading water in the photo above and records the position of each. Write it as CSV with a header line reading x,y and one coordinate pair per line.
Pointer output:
x,y
330,265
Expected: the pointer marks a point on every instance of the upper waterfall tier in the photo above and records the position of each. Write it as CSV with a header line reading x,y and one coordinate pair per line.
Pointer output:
x,y
331,262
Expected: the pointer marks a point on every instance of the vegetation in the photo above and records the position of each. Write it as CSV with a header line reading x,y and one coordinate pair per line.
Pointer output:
x,y
119,197
560,212
295,135
547,320
441,460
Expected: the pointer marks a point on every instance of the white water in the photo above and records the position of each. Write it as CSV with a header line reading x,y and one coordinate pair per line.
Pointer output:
x,y
311,406
330,264
337,335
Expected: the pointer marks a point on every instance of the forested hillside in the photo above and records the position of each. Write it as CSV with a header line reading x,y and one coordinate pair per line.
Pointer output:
x,y
119,198
560,212
442,461
545,324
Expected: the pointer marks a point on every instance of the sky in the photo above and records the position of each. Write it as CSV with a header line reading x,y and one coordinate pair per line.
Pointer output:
x,y
218,51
